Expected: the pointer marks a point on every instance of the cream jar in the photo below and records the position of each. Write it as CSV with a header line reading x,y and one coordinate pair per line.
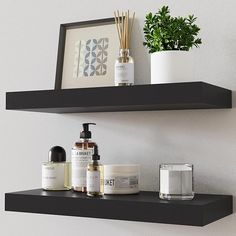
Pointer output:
x,y
121,179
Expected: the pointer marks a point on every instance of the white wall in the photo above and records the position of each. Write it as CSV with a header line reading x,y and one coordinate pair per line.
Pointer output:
x,y
206,138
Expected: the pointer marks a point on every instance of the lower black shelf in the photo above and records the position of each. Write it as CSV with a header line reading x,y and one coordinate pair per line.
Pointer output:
x,y
145,207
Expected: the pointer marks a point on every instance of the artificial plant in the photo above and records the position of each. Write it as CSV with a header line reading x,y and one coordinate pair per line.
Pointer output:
x,y
164,32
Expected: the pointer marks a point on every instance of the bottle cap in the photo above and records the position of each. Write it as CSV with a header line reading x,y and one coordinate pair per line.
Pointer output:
x,y
57,154
95,155
86,134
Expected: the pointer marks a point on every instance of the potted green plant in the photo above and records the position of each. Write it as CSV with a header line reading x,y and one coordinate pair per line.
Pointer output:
x,y
169,40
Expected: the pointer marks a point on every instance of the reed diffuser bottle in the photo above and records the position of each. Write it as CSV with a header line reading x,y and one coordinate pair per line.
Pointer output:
x,y
124,65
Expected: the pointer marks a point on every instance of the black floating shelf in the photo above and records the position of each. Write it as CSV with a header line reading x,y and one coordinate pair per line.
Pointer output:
x,y
172,96
145,207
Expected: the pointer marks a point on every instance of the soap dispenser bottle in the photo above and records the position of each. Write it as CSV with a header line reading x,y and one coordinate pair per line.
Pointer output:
x,y
81,155
95,178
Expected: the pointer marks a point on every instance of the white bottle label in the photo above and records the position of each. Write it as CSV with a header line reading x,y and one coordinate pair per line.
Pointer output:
x,y
53,176
93,181
124,73
80,160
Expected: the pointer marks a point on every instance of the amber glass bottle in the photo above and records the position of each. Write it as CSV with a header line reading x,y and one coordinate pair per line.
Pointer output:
x,y
81,156
95,178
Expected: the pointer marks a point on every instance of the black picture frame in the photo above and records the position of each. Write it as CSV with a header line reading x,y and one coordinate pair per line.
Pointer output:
x,y
62,39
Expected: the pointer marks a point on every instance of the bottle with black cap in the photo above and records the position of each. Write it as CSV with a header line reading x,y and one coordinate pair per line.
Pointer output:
x,y
80,157
95,182
56,173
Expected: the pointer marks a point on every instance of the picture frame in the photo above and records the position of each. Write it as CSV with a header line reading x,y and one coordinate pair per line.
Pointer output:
x,y
86,54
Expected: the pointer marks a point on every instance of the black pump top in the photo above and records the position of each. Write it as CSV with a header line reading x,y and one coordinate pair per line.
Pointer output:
x,y
57,154
86,134
95,155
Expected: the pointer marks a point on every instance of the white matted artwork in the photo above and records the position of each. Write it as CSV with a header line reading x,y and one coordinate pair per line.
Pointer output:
x,y
86,55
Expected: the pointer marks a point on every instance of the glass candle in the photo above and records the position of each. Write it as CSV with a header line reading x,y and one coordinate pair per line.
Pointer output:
x,y
176,181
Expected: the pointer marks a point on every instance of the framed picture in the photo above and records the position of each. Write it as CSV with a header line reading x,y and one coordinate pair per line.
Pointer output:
x,y
86,54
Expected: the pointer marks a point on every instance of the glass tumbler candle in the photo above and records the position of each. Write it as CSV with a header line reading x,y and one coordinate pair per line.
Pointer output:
x,y
176,182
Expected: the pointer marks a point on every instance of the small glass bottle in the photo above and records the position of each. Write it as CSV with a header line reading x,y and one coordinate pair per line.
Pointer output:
x,y
81,155
95,178
124,69
56,173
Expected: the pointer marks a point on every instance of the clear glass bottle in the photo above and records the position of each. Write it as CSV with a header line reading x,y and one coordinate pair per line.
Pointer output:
x,y
81,155
176,181
56,173
95,176
124,69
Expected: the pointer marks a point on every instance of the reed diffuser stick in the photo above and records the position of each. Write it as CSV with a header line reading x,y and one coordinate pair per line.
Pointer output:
x,y
128,29
119,22
117,27
132,24
124,28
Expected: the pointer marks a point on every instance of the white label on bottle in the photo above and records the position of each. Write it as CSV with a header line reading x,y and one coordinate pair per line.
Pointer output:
x,y
121,182
53,176
80,160
93,181
124,73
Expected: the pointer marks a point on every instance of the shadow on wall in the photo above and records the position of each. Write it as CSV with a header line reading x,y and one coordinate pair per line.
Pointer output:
x,y
153,137
209,188
234,205
140,54
233,99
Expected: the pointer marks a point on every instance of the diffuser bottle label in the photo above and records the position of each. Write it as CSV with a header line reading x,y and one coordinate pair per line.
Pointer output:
x,y
80,160
53,176
124,73
93,181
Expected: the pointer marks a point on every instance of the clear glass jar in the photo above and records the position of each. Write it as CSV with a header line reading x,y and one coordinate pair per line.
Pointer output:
x,y
124,69
176,181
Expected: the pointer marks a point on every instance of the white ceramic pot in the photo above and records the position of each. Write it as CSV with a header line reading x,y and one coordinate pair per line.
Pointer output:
x,y
171,67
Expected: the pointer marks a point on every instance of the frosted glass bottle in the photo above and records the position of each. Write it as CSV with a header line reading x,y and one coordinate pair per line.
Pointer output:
x,y
56,173
124,69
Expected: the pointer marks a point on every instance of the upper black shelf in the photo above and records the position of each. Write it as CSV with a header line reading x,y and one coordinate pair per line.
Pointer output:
x,y
172,96
146,206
